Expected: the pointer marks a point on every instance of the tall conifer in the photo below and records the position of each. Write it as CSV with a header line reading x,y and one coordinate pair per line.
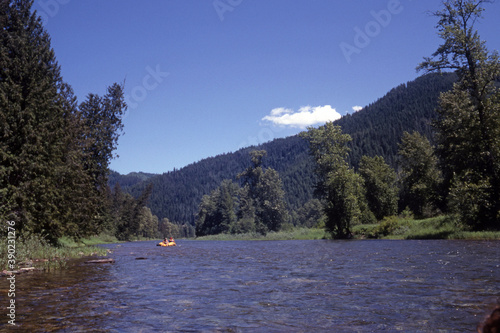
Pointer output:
x,y
32,121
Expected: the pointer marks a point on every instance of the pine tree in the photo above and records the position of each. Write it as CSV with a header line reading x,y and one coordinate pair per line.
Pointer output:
x,y
53,156
103,125
37,154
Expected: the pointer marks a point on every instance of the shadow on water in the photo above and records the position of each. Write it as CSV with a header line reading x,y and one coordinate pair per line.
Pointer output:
x,y
342,286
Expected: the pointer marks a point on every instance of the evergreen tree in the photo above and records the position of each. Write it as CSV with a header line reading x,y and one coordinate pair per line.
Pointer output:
x,y
420,176
380,183
469,115
102,120
42,184
49,148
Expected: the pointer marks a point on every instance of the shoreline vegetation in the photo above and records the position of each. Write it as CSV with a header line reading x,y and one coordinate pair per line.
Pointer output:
x,y
34,253
397,228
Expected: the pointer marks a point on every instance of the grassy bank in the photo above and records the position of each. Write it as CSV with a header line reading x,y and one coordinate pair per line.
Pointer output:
x,y
299,233
441,227
34,251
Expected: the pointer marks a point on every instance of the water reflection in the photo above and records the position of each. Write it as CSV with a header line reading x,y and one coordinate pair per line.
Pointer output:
x,y
362,286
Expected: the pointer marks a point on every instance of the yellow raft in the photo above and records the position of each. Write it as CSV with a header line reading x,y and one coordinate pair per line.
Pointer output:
x,y
166,244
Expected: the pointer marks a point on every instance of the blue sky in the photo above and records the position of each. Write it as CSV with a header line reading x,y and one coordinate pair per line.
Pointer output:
x,y
206,77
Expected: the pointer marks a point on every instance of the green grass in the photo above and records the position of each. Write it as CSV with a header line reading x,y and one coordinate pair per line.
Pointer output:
x,y
94,240
441,227
298,233
34,251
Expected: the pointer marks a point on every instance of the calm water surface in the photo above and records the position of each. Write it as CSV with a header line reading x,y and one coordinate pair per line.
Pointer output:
x,y
267,286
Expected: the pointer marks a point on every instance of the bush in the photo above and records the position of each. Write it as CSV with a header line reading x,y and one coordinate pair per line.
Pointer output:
x,y
387,226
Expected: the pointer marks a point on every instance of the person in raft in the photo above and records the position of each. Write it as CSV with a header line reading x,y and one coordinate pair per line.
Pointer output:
x,y
171,239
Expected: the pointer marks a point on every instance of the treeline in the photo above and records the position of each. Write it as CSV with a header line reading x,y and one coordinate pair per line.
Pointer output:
x,y
54,151
411,106
130,218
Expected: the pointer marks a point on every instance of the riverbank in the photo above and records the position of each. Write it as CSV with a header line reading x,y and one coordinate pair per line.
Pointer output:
x,y
34,253
441,227
295,234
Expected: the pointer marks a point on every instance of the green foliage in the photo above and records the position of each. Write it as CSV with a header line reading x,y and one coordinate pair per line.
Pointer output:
x,y
380,183
295,233
468,127
470,198
387,226
420,176
340,187
441,227
217,211
35,251
258,206
130,218
102,120
310,215
54,155
31,123
262,196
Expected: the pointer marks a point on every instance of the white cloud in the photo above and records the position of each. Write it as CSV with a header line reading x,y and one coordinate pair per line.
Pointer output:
x,y
305,116
357,108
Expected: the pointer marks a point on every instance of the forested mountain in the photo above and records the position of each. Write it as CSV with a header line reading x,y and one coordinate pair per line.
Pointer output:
x,y
376,130
129,180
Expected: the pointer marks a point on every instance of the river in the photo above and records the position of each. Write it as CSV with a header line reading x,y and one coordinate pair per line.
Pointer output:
x,y
267,286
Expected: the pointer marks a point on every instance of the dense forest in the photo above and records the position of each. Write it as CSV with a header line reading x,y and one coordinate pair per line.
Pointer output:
x,y
376,130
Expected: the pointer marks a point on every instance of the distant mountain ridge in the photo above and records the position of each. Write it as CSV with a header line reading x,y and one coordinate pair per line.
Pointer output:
x,y
376,130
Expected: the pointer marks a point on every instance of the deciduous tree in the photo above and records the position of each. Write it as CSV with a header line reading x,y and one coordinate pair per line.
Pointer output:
x,y
469,125
338,185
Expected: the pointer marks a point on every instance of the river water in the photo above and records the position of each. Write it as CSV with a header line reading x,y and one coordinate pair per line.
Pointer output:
x,y
267,286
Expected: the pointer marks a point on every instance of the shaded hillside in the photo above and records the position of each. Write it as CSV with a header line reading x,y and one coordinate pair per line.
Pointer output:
x,y
129,180
378,127
376,130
